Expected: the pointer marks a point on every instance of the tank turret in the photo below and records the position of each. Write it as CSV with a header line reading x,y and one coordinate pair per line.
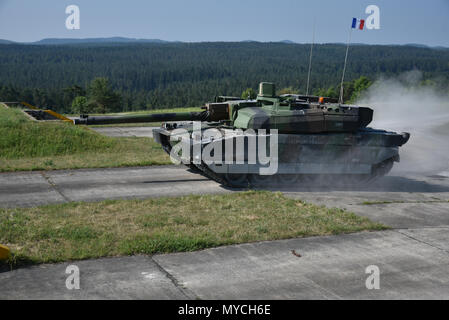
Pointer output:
x,y
287,113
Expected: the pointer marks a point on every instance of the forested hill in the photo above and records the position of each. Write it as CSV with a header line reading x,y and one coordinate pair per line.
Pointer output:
x,y
155,75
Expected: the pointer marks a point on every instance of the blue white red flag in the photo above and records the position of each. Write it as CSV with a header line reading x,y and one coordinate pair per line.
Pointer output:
x,y
360,23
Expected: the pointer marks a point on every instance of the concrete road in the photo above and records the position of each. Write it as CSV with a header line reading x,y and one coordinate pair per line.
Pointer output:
x,y
137,277
413,257
329,267
27,189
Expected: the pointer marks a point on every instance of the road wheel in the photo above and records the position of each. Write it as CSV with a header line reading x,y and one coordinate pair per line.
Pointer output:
x,y
381,169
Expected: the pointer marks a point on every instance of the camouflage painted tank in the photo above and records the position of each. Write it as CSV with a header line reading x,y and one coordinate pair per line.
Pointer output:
x,y
288,139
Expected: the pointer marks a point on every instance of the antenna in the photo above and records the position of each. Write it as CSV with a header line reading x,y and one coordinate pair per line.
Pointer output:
x,y
340,100
310,58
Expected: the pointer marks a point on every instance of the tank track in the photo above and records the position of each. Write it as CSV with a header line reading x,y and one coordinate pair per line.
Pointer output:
x,y
212,175
203,169
379,171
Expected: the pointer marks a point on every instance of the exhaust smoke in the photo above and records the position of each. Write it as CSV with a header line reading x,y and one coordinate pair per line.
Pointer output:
x,y
402,104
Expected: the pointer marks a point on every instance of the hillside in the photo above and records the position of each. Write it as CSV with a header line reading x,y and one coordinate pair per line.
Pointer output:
x,y
161,75
33,145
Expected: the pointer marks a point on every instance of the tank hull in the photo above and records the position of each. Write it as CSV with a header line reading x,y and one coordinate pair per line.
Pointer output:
x,y
361,155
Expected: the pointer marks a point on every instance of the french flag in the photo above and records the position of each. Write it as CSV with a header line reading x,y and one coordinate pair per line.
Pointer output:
x,y
361,23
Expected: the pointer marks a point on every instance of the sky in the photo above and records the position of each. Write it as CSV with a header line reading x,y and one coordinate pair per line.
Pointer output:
x,y
401,21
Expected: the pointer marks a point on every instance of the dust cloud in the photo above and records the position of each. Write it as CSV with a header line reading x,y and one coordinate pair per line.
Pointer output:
x,y
400,104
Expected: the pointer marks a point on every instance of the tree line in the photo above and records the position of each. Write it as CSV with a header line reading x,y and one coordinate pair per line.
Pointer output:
x,y
124,77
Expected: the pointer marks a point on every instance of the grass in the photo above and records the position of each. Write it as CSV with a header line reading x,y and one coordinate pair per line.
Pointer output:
x,y
30,145
371,203
80,230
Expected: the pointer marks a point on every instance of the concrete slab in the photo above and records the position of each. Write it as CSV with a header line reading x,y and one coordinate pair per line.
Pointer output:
x,y
329,268
26,189
437,237
136,277
124,183
31,189
406,215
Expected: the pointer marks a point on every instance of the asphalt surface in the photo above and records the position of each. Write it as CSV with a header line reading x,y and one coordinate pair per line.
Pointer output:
x,y
412,257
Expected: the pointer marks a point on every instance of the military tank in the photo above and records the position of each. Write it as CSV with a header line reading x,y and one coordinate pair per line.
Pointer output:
x,y
274,139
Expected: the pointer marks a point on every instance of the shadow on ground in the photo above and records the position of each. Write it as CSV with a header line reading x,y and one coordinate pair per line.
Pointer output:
x,y
430,184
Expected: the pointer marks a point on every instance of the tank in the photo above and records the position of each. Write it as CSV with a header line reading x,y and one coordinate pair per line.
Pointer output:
x,y
291,138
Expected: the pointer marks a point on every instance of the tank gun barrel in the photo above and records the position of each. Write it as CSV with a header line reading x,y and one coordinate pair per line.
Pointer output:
x,y
141,118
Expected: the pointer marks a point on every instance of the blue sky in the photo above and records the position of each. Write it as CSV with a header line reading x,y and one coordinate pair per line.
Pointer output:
x,y
413,21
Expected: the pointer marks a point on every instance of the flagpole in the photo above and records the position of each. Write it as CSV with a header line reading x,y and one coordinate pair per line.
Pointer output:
x,y
344,67
310,58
